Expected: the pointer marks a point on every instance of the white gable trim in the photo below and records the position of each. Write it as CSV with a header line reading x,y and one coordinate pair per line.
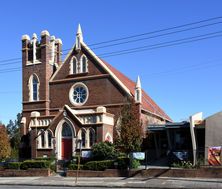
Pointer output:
x,y
67,56
99,61
105,67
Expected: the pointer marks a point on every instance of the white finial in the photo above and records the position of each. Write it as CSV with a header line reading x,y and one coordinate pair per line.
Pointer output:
x,y
45,32
79,30
79,38
138,83
34,40
138,91
52,49
58,40
34,36
53,38
25,37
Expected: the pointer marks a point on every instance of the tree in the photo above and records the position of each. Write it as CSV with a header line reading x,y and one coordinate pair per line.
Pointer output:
x,y
130,138
13,130
5,148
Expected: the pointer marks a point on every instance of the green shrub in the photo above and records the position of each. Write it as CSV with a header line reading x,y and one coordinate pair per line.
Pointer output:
x,y
183,164
103,151
123,162
75,159
73,166
134,163
35,164
99,165
13,165
122,155
53,167
50,159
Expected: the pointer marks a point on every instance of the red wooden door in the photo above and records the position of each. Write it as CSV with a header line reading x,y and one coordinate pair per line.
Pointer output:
x,y
66,148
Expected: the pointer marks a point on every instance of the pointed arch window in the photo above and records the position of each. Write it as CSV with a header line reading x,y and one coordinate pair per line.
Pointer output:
x,y
42,139
66,131
34,88
83,64
74,65
49,139
83,136
45,139
91,137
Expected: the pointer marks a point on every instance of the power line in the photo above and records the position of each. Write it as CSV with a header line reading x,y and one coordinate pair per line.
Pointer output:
x,y
143,34
148,47
154,46
155,36
10,70
9,92
8,63
189,67
8,60
157,31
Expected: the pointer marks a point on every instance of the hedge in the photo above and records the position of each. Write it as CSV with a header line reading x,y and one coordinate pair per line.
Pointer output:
x,y
99,165
13,165
73,166
35,164
123,162
51,159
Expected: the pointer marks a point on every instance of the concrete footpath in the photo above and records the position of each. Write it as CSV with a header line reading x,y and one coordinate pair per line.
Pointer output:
x,y
113,182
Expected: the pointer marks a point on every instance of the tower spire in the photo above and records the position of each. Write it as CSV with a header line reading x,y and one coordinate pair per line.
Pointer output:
x,y
79,30
79,38
138,83
138,91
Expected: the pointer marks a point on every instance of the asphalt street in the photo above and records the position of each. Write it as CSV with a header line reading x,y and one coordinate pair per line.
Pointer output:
x,y
46,187
108,182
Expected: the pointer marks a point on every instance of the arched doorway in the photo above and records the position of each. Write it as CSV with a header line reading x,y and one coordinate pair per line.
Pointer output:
x,y
66,151
65,137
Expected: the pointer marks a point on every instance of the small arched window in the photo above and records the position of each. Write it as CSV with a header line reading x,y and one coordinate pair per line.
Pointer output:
x,y
42,139
66,130
84,64
83,136
49,139
91,137
33,88
45,139
73,66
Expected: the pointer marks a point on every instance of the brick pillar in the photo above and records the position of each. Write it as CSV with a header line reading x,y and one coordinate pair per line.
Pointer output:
x,y
58,51
34,144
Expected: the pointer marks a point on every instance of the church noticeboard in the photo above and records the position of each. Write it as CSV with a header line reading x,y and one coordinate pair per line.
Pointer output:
x,y
86,154
138,155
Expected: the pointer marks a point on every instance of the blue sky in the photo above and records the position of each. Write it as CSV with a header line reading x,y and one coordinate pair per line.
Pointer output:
x,y
182,79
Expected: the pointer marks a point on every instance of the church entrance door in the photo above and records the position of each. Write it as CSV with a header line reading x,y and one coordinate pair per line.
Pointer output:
x,y
66,151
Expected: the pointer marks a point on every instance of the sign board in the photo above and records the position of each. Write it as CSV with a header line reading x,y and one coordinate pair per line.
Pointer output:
x,y
86,154
138,155
214,154
183,155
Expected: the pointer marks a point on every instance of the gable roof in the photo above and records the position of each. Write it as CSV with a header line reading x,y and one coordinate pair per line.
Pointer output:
x,y
147,103
125,83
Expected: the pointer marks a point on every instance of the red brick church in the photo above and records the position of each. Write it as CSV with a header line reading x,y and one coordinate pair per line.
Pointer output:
x,y
78,99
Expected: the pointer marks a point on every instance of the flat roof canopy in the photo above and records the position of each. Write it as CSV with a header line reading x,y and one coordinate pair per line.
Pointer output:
x,y
176,125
